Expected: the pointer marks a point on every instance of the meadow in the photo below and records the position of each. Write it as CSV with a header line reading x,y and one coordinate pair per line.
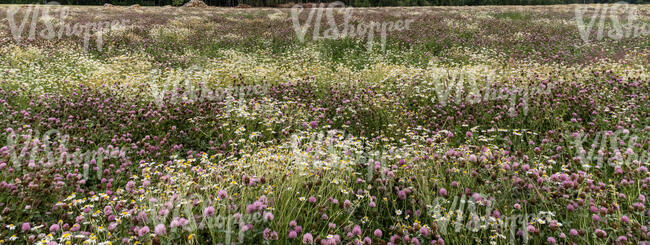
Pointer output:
x,y
443,125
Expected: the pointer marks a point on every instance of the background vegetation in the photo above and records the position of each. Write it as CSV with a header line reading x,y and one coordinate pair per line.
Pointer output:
x,y
355,3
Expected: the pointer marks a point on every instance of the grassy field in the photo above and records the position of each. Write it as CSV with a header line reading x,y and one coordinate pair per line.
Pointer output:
x,y
443,125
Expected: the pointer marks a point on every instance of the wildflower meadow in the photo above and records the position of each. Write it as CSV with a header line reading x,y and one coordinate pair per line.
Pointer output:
x,y
327,124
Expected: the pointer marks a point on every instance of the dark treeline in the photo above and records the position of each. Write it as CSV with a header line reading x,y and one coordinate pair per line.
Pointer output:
x,y
355,3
